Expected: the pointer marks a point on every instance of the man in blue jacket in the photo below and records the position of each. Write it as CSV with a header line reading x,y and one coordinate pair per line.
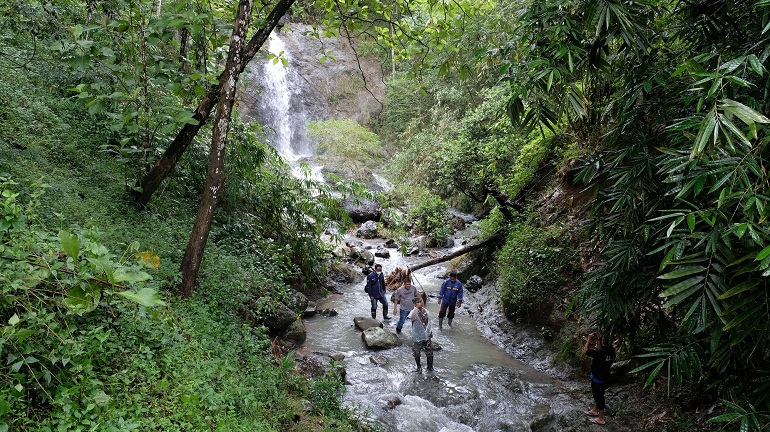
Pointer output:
x,y
450,297
375,287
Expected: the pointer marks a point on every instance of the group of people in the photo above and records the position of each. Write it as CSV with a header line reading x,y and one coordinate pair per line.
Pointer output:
x,y
410,306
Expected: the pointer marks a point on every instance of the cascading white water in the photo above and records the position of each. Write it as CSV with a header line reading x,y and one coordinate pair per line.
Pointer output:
x,y
276,104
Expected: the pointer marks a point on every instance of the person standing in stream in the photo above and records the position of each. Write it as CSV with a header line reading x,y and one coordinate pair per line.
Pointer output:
x,y
402,300
449,297
375,287
422,334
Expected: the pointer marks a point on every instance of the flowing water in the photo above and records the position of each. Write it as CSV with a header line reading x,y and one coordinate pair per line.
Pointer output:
x,y
475,386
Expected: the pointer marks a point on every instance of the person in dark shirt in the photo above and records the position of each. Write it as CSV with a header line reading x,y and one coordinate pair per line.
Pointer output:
x,y
375,287
602,356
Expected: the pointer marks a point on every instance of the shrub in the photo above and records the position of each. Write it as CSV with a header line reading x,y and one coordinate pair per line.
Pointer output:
x,y
531,269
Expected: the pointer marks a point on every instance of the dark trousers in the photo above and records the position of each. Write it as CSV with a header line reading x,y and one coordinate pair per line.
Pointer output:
x,y
384,302
426,346
447,307
598,391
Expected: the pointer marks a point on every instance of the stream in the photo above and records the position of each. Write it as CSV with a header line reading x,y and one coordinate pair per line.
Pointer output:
x,y
476,386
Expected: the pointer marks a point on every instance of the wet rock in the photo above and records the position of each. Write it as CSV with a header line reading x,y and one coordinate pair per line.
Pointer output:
x,y
363,323
294,334
368,230
391,244
378,359
391,401
343,273
296,301
364,211
279,318
328,312
457,223
381,252
309,310
317,365
379,338
474,283
338,357
361,257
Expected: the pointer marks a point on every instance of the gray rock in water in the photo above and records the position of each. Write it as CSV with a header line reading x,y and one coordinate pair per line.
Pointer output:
x,y
368,230
309,310
381,252
378,359
379,338
328,312
361,257
391,244
364,323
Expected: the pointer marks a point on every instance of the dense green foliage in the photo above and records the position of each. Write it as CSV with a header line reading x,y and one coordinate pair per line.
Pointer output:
x,y
660,109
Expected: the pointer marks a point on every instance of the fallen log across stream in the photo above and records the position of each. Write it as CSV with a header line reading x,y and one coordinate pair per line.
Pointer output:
x,y
462,251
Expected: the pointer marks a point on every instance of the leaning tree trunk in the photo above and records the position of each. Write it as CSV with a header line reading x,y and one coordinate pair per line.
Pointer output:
x,y
147,185
215,174
491,239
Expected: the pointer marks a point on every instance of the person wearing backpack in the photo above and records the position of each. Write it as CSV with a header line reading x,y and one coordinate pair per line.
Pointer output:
x,y
375,287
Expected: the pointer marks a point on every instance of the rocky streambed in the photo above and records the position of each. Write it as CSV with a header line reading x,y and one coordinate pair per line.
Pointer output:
x,y
490,375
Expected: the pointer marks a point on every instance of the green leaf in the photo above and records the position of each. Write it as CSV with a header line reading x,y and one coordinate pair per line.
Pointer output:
x,y
83,298
14,320
704,134
147,297
741,287
681,272
764,253
746,114
725,417
125,274
104,264
71,244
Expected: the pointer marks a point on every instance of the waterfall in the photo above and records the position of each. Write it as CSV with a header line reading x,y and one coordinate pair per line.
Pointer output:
x,y
280,105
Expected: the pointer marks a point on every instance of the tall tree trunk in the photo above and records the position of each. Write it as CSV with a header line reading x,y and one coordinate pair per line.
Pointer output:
x,y
184,43
215,174
146,186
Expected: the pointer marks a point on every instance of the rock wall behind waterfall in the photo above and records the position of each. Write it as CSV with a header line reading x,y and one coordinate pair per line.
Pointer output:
x,y
312,90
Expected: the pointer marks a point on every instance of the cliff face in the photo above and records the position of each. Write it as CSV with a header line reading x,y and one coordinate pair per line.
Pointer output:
x,y
323,79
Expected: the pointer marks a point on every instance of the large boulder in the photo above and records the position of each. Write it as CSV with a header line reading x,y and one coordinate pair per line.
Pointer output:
x,y
368,230
296,301
361,257
295,333
364,211
381,252
279,318
363,323
378,338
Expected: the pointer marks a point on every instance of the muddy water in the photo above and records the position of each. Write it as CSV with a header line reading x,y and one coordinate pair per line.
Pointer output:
x,y
476,386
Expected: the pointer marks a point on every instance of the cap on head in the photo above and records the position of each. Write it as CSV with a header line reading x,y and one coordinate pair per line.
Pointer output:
x,y
417,300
